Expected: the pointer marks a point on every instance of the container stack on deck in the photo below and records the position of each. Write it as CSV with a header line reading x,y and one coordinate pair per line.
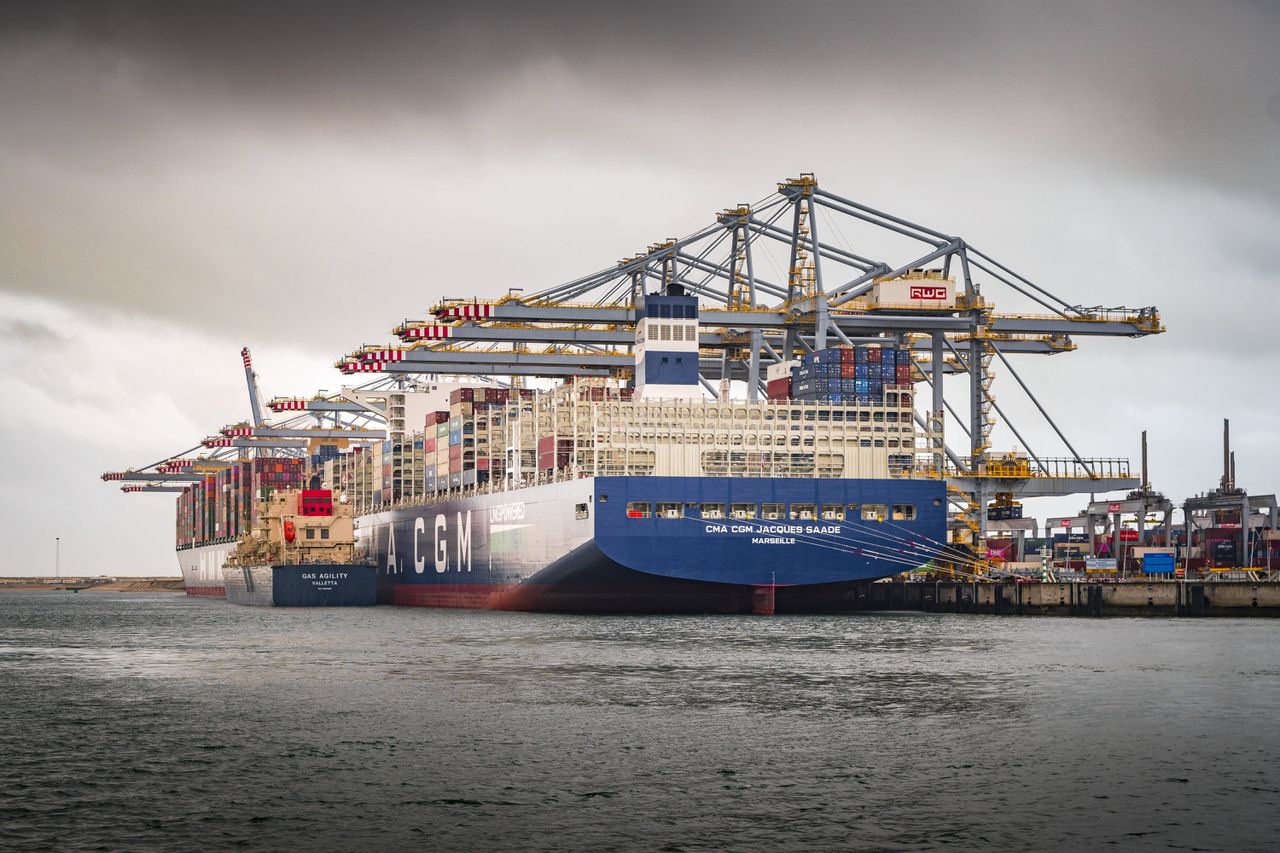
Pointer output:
x,y
220,507
845,375
470,440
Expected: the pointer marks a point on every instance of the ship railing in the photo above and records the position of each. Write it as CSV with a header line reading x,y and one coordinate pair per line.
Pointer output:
x,y
1065,468
901,471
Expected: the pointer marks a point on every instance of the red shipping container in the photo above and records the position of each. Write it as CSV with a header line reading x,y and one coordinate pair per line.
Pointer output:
x,y
546,444
873,355
455,451
848,370
482,463
904,374
429,445
846,356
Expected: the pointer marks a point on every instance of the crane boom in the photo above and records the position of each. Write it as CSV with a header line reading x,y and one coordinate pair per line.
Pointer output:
x,y
255,401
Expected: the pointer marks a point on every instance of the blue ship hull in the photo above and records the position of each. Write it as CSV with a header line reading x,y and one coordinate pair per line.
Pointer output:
x,y
308,585
575,546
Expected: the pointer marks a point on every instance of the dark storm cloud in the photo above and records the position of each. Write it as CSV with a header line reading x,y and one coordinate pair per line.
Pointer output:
x,y
153,154
1178,86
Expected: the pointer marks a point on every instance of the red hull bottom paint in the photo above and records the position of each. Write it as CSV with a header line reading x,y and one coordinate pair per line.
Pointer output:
x,y
568,598
471,596
208,591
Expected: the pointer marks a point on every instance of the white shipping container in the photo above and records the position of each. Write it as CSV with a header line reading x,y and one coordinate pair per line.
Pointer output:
x,y
780,370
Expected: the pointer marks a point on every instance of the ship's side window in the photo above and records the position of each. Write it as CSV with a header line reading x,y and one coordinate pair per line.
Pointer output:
x,y
712,510
874,512
772,512
324,533
638,509
580,511
668,510
311,533
832,512
803,511
904,512
744,510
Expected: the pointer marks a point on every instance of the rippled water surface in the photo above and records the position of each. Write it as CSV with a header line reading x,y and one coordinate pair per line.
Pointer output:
x,y
137,722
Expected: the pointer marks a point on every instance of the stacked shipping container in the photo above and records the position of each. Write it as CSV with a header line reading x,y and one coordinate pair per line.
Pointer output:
x,y
220,507
845,375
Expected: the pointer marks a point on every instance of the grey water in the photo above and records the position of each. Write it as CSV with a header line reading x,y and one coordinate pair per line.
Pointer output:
x,y
158,722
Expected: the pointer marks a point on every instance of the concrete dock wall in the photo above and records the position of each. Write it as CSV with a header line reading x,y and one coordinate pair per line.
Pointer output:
x,y
1156,598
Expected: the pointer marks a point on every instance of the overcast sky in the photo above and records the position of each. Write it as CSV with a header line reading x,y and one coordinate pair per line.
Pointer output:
x,y
179,180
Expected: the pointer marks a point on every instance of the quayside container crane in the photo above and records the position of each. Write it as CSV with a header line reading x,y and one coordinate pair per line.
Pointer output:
x,y
353,419
790,274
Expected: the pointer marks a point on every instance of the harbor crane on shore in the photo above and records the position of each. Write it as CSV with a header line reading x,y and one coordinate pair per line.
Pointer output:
x,y
786,276
355,416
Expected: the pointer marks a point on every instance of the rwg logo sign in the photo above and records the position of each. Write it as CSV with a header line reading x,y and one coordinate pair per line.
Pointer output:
x,y
937,292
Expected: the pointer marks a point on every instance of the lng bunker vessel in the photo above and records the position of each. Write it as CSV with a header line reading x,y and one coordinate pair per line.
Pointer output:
x,y
674,433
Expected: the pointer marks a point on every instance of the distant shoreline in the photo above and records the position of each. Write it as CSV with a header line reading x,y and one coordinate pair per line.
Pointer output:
x,y
151,584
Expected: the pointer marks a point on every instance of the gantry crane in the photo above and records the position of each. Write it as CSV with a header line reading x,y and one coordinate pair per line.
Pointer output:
x,y
785,276
356,416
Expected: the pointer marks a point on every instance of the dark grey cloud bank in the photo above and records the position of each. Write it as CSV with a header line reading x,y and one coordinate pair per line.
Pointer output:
x,y
180,157
1183,87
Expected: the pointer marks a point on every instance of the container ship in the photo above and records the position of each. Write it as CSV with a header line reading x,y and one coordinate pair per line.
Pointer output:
x,y
595,496
570,449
